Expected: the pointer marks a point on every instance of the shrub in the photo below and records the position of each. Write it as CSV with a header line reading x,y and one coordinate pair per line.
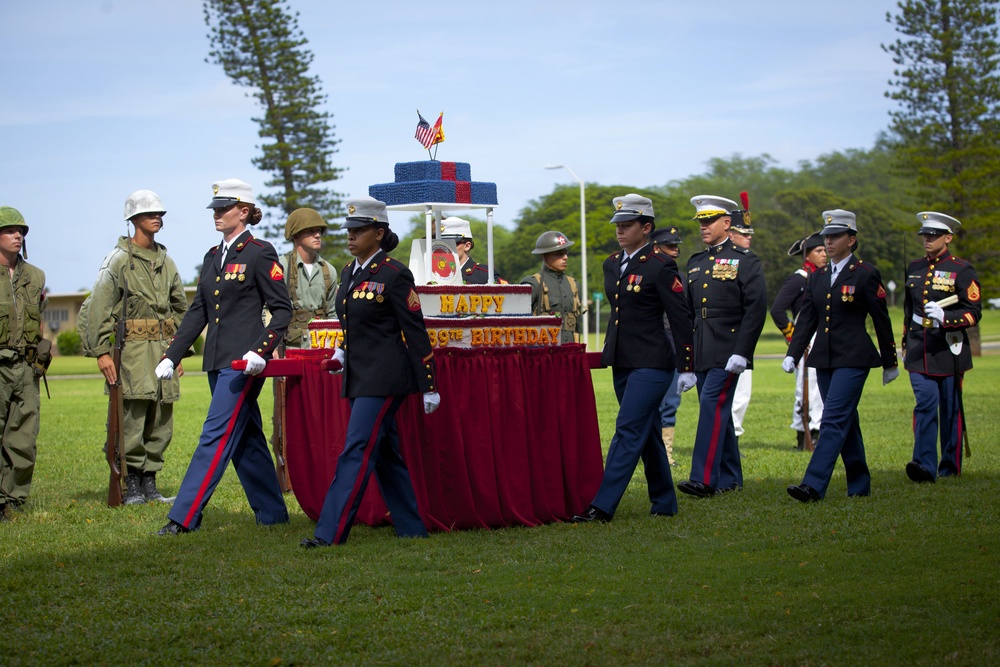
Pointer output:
x,y
69,343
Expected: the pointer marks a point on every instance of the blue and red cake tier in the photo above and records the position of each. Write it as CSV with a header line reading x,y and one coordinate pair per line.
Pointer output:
x,y
436,182
444,192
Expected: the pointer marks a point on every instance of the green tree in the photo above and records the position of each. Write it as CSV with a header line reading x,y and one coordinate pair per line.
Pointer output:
x,y
945,128
259,45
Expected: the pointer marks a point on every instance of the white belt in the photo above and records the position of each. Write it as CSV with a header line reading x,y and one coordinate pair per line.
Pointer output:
x,y
925,322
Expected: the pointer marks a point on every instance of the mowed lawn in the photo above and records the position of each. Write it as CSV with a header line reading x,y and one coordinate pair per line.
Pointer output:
x,y
910,575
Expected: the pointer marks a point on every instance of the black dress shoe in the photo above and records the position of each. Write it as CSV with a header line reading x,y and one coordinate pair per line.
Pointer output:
x,y
696,489
655,513
592,514
918,473
313,542
172,528
804,493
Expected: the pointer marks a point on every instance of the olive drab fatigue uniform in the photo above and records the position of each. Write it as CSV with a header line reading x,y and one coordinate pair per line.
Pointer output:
x,y
556,293
927,356
156,306
22,300
313,296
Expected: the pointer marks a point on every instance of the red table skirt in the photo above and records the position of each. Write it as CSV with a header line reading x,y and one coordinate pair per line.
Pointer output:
x,y
515,441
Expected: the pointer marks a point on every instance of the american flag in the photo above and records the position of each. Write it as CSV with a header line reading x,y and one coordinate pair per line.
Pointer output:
x,y
425,133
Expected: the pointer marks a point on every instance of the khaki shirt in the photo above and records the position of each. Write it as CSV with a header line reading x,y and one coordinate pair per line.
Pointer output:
x,y
311,297
22,300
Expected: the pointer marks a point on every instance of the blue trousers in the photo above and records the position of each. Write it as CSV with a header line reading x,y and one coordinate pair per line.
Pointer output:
x,y
841,391
232,431
637,436
371,445
668,406
937,404
716,461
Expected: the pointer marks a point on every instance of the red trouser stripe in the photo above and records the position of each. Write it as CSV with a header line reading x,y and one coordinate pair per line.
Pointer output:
x,y
363,470
713,443
219,449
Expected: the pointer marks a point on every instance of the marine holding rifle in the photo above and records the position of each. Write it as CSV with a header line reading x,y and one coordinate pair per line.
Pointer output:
x,y
936,346
139,272
23,357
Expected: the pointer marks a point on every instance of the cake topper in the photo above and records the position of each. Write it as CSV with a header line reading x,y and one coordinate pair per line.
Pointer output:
x,y
429,136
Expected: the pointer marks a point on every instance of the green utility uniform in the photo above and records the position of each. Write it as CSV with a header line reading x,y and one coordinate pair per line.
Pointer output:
x,y
555,293
313,293
156,306
22,300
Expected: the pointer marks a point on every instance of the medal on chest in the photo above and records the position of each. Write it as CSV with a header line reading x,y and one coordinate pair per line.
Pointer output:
x,y
633,282
725,269
236,272
847,292
944,281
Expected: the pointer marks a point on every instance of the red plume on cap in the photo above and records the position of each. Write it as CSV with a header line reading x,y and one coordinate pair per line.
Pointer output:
x,y
745,198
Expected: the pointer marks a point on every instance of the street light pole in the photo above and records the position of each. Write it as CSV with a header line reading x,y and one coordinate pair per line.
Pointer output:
x,y
583,248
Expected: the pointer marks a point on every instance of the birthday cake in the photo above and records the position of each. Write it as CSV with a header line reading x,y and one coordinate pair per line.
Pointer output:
x,y
468,316
434,181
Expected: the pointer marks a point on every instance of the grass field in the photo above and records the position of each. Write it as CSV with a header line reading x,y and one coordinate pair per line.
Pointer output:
x,y
910,575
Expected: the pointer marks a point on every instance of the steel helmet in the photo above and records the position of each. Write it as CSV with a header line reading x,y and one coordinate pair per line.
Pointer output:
x,y
551,242
11,217
143,201
302,219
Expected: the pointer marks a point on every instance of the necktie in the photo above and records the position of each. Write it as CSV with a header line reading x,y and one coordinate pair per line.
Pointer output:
x,y
624,265
225,251
833,275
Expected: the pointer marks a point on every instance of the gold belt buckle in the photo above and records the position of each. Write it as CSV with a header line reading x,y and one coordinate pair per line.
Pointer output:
x,y
928,323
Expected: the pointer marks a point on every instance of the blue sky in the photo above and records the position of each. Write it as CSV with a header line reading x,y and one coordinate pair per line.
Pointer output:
x,y
103,97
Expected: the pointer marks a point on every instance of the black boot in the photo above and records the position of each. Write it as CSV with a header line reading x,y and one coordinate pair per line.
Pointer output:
x,y
800,437
133,489
3,513
815,437
149,490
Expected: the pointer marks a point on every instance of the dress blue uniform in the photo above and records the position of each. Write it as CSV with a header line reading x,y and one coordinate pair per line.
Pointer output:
x,y
643,365
934,369
728,301
842,354
232,294
387,356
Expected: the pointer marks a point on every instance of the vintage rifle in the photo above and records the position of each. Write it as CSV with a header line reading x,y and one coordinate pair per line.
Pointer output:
x,y
114,447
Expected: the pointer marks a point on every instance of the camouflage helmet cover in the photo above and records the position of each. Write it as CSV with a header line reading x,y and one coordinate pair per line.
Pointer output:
x,y
11,217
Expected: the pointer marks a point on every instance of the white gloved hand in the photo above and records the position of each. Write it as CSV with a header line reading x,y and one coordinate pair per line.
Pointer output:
x,y
338,356
736,364
432,400
934,312
889,374
164,369
685,381
788,365
255,363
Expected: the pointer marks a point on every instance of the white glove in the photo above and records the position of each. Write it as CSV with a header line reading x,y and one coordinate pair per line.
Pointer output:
x,y
889,374
255,363
934,312
338,356
164,369
432,400
736,364
788,365
685,381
